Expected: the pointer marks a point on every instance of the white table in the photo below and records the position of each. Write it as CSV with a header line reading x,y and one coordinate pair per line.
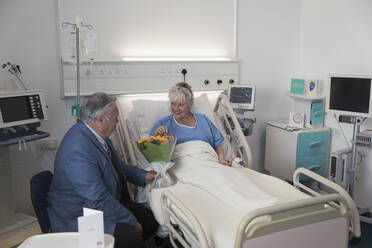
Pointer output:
x,y
60,240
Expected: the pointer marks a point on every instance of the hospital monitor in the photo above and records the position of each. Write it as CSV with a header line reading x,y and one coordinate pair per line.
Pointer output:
x,y
350,95
242,96
22,107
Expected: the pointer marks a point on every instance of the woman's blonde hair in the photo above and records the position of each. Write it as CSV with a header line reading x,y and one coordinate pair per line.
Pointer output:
x,y
181,92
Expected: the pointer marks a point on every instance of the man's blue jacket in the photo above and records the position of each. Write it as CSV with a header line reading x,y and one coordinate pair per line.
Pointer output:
x,y
84,176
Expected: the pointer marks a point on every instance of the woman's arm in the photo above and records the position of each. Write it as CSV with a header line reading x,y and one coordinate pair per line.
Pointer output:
x,y
221,156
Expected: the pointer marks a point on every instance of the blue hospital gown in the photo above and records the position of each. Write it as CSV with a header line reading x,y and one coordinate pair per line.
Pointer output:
x,y
204,130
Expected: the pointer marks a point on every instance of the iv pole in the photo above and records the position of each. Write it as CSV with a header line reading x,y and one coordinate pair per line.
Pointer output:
x,y
356,130
76,27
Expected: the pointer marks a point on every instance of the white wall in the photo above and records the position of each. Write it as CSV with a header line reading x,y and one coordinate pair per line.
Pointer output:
x,y
269,50
154,29
336,37
29,38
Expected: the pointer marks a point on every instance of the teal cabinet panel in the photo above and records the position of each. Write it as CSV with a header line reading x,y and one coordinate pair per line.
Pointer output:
x,y
312,143
317,164
317,113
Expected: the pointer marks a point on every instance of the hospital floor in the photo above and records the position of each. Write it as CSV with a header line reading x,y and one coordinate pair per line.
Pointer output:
x,y
366,240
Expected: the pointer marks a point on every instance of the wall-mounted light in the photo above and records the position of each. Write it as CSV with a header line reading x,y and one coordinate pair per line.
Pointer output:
x,y
175,59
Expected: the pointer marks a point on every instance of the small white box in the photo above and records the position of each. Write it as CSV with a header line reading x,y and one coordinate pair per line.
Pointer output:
x,y
312,88
296,119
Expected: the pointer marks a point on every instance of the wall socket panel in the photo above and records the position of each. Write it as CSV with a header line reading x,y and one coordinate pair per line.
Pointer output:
x,y
49,144
148,77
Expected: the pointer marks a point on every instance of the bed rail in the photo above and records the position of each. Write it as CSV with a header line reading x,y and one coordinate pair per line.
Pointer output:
x,y
353,211
289,215
190,228
274,219
235,135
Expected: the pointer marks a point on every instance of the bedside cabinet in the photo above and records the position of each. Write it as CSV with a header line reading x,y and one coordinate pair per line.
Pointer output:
x,y
287,150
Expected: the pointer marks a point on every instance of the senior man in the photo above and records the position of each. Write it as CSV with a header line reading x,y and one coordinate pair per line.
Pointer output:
x,y
89,173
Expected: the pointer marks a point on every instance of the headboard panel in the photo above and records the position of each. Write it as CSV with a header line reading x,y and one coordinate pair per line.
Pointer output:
x,y
119,77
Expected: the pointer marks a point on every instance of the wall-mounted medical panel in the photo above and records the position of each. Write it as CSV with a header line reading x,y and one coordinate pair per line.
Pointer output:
x,y
147,77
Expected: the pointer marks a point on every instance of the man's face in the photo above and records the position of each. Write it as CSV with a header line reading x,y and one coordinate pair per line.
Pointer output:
x,y
111,118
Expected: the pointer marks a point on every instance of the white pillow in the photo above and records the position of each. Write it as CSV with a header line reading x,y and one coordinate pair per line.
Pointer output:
x,y
147,112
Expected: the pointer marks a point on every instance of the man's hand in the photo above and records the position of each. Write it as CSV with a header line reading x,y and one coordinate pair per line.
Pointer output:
x,y
162,130
150,176
139,228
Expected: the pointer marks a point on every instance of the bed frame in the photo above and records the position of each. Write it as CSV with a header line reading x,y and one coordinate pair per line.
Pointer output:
x,y
329,220
316,215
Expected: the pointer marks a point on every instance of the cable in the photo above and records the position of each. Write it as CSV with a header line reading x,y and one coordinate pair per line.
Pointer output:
x,y
184,71
342,131
16,71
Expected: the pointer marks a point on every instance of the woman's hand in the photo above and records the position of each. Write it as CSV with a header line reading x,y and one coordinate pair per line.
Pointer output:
x,y
225,161
221,156
150,176
162,131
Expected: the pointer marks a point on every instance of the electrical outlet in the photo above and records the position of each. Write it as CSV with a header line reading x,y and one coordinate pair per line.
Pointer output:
x,y
49,143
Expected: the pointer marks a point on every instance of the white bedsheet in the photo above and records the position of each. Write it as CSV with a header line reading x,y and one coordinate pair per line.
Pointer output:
x,y
219,196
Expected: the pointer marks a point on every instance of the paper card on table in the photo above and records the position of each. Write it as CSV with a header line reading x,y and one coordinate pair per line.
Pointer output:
x,y
91,229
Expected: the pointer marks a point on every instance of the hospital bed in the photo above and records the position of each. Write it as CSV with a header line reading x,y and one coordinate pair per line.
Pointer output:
x,y
195,218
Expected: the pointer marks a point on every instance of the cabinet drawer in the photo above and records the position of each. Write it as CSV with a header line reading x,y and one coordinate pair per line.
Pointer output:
x,y
312,143
317,113
317,164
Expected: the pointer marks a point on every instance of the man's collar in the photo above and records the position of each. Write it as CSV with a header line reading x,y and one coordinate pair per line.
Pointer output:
x,y
100,139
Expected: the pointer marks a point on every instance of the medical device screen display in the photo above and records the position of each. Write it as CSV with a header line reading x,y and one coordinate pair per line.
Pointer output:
x,y
350,94
241,95
15,109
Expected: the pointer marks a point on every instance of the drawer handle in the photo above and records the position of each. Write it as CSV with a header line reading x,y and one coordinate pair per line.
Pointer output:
x,y
314,168
316,144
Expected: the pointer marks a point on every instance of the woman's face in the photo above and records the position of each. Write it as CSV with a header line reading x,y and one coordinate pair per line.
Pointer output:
x,y
180,109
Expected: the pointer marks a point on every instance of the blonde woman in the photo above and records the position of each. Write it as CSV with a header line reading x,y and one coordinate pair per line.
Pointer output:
x,y
188,126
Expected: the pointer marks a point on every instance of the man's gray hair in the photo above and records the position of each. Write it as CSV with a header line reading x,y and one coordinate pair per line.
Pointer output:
x,y
181,92
97,104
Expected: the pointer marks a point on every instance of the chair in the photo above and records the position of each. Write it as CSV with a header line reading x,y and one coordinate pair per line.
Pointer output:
x,y
40,184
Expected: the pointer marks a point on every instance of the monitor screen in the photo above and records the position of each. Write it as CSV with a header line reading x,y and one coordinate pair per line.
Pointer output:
x,y
350,94
15,109
242,96
22,107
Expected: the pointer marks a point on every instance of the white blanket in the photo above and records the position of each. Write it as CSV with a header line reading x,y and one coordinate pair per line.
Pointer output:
x,y
219,196
197,164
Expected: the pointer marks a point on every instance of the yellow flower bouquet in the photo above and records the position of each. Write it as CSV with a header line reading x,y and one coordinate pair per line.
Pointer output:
x,y
157,149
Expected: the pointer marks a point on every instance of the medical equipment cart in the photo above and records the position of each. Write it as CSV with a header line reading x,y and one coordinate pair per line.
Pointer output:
x,y
287,149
